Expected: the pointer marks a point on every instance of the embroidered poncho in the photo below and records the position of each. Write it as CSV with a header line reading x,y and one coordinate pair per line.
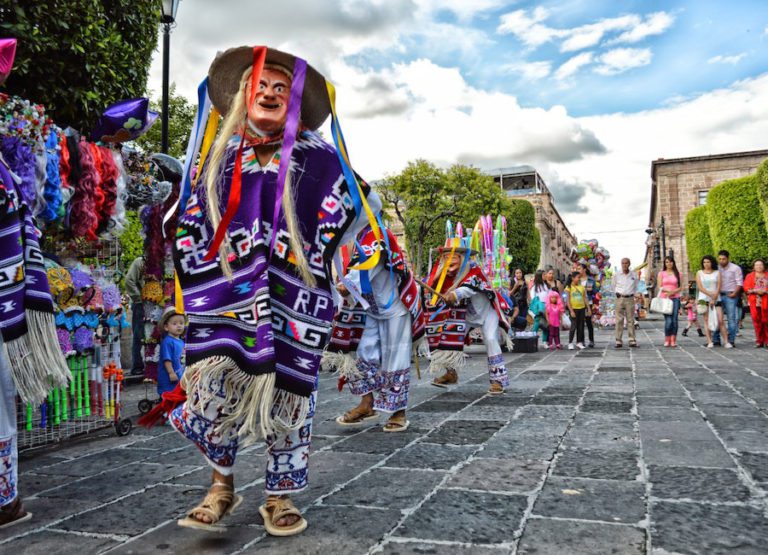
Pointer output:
x,y
447,326
349,322
26,307
265,329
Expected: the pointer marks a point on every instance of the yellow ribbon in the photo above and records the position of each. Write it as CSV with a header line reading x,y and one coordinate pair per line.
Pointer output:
x,y
210,134
371,262
444,273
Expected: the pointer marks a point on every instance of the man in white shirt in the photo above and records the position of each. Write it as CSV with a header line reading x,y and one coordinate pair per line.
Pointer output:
x,y
625,288
731,285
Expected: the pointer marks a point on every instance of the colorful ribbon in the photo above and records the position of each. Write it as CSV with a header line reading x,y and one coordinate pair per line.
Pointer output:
x,y
289,140
355,189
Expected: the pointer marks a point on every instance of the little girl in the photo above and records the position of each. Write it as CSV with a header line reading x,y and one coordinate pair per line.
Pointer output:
x,y
689,304
554,310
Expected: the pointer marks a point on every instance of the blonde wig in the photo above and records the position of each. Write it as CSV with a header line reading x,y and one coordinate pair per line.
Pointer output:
x,y
234,120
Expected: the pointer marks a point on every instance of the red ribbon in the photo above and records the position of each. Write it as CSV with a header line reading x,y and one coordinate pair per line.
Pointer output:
x,y
259,57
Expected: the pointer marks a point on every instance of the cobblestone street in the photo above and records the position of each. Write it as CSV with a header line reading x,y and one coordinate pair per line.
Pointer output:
x,y
649,450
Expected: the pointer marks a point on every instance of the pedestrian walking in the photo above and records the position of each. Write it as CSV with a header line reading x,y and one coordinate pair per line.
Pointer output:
x,y
555,310
670,287
592,289
625,288
756,287
708,280
578,307
134,283
731,284
519,291
688,306
538,303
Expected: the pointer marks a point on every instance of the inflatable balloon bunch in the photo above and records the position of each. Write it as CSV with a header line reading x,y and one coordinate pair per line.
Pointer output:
x,y
597,258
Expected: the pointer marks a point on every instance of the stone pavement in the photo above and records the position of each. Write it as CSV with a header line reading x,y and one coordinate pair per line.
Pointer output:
x,y
649,450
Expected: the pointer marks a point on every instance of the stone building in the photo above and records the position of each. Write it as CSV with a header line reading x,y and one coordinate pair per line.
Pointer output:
x,y
524,182
680,184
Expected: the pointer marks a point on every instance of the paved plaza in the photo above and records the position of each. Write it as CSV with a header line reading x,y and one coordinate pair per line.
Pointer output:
x,y
649,450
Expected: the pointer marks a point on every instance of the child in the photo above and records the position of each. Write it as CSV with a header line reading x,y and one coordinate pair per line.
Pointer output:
x,y
171,350
578,307
554,310
688,303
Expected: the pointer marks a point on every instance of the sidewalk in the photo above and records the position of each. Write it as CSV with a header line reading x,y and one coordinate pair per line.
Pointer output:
x,y
649,450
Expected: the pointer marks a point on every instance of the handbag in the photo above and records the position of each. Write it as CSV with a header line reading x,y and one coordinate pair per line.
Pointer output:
x,y
712,319
662,306
701,308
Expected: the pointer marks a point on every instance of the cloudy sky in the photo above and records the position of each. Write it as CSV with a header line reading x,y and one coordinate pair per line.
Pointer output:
x,y
587,92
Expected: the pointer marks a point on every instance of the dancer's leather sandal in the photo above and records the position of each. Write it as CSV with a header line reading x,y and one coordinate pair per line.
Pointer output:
x,y
356,416
279,507
216,505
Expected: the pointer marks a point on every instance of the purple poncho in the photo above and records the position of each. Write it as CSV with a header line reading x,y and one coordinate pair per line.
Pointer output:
x,y
265,329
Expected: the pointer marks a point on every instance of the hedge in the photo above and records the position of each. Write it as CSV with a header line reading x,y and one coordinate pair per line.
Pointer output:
x,y
736,220
697,239
762,189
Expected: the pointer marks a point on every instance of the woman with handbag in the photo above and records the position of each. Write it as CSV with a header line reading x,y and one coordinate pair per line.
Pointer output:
x,y
756,288
708,301
669,283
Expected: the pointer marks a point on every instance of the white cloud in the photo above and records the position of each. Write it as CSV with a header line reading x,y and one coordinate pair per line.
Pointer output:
x,y
530,29
590,35
464,10
573,65
720,59
530,70
620,60
654,24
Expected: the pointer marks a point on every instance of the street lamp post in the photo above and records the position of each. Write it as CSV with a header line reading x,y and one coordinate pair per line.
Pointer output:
x,y
169,8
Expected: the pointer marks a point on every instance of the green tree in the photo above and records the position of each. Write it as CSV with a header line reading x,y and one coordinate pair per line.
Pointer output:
x,y
131,241
762,189
420,199
79,56
697,239
181,116
423,197
736,221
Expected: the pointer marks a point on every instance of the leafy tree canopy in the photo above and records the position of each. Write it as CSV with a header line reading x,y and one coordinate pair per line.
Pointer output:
x,y
79,56
181,116
423,197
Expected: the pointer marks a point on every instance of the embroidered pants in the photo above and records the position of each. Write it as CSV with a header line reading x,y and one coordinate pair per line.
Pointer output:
x,y
384,360
497,371
9,457
287,454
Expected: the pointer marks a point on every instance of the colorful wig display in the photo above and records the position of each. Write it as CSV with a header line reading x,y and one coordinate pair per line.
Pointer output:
x,y
154,244
21,160
83,220
111,295
52,187
109,176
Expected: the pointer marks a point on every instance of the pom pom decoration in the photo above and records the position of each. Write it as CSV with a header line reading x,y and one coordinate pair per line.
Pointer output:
x,y
65,342
82,340
111,296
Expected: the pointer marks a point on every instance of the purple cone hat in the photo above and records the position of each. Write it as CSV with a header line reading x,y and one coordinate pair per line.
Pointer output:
x,y
7,55
124,121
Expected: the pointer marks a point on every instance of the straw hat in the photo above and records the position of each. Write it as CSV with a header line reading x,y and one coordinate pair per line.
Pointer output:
x,y
227,69
169,312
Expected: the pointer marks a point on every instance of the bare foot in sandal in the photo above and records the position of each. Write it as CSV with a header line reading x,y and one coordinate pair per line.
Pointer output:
x,y
281,517
397,422
220,501
362,412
